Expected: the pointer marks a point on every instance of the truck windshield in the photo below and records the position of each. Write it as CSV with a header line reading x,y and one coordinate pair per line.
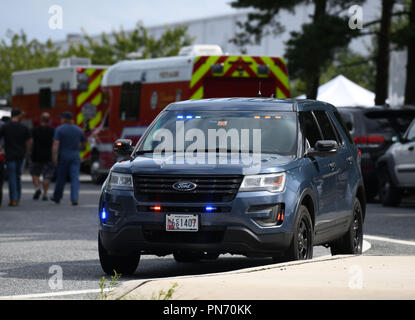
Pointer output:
x,y
217,131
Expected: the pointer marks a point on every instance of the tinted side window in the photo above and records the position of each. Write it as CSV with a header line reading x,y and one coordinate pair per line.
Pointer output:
x,y
130,101
45,98
411,133
344,127
310,128
325,125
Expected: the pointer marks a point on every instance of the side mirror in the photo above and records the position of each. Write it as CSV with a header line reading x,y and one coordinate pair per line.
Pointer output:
x,y
349,126
323,148
123,147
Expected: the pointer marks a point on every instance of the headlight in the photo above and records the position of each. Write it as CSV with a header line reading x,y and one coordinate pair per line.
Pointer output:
x,y
274,182
120,181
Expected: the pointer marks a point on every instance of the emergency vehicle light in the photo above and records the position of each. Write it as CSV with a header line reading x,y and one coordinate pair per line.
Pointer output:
x,y
210,209
103,214
180,117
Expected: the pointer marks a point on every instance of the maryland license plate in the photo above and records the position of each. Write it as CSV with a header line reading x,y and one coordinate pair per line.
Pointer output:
x,y
182,222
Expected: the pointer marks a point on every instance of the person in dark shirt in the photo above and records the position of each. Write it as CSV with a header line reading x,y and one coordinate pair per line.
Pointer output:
x,y
42,156
69,140
17,142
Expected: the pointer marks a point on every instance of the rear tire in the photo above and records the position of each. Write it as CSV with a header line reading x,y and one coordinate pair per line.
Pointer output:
x,y
352,241
389,195
124,265
301,247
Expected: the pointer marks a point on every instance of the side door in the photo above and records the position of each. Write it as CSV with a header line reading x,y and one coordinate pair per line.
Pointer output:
x,y
405,159
323,177
343,169
336,165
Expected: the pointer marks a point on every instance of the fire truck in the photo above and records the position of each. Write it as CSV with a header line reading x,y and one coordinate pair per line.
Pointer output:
x,y
138,90
75,85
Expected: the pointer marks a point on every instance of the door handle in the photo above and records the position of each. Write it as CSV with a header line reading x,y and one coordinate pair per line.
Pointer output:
x,y
332,165
350,159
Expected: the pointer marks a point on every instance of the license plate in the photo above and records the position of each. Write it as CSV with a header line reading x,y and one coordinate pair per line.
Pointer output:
x,y
182,222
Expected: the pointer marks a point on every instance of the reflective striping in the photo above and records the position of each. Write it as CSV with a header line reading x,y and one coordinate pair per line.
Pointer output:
x,y
198,94
97,100
198,74
93,85
239,67
95,120
79,118
85,152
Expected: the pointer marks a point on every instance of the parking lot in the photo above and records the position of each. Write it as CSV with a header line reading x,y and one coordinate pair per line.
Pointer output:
x,y
35,243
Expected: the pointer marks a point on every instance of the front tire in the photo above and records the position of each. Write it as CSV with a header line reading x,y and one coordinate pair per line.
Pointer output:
x,y
301,247
124,265
352,241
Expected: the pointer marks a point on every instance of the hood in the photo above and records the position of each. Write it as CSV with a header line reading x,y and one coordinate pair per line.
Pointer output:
x,y
221,163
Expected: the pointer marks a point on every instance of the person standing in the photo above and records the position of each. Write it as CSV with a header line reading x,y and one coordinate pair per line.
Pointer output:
x,y
17,143
2,159
42,156
69,139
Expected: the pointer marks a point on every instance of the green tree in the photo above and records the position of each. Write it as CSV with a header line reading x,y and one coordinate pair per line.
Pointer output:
x,y
403,37
110,49
309,51
354,66
18,53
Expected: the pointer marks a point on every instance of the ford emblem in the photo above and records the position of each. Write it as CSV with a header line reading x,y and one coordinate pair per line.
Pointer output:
x,y
184,186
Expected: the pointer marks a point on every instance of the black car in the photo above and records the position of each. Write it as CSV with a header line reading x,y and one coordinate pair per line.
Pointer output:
x,y
374,130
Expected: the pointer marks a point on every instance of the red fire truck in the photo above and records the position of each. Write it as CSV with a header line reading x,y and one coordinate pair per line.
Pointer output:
x,y
138,90
73,86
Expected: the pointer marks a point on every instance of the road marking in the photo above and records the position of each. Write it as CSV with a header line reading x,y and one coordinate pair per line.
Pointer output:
x,y
53,294
366,246
377,238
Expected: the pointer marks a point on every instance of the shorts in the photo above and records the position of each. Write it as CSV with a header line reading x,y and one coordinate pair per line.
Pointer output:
x,y
47,169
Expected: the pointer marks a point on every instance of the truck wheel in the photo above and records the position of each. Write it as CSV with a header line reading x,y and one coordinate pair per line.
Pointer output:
x,y
352,241
124,265
301,247
389,195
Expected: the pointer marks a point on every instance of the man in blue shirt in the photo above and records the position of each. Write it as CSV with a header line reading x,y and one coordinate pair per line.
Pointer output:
x,y
69,139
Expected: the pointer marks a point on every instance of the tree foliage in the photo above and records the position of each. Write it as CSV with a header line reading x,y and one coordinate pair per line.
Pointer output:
x,y
308,51
18,53
117,46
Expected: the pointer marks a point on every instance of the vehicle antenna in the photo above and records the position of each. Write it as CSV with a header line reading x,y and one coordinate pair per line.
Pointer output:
x,y
259,91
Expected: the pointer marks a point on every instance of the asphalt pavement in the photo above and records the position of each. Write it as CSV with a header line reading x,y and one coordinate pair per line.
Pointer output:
x,y
42,243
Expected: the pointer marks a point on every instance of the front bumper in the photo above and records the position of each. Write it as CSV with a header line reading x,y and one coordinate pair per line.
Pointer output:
x,y
235,240
235,230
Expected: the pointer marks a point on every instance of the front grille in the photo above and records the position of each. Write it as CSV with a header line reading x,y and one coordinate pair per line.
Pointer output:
x,y
212,188
181,209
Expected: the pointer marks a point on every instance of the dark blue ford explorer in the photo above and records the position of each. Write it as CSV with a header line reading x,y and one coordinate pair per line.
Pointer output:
x,y
250,176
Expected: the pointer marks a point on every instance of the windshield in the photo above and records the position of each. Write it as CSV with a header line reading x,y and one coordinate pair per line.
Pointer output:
x,y
212,131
